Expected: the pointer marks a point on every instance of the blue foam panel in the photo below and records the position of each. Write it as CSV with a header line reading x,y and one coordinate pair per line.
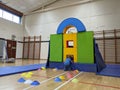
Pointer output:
x,y
78,66
58,65
98,59
84,67
111,70
18,69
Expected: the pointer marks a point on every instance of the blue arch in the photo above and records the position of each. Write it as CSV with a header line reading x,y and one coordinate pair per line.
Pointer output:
x,y
71,22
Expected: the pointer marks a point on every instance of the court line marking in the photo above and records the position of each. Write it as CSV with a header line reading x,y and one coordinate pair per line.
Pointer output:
x,y
44,81
67,81
100,85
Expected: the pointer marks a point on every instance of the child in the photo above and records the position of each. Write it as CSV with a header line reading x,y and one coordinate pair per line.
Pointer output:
x,y
68,64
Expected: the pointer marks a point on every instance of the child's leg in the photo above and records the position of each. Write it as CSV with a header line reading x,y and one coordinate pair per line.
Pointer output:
x,y
66,67
70,68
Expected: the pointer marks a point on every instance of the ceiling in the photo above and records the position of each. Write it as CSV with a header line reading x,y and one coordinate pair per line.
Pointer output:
x,y
32,5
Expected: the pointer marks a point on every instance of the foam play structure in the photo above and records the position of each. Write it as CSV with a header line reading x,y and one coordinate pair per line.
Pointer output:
x,y
72,39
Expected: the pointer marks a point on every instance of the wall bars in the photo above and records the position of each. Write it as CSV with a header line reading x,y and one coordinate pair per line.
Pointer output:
x,y
32,47
109,45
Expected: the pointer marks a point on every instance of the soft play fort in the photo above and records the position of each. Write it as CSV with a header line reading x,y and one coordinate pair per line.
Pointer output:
x,y
80,45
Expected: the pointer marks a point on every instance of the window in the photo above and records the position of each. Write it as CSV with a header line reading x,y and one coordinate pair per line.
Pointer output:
x,y
70,44
71,30
9,16
16,19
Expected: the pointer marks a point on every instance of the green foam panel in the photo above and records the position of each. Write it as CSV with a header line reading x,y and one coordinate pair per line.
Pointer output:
x,y
85,48
56,48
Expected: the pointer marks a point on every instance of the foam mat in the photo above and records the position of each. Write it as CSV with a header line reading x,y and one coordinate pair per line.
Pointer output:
x,y
19,69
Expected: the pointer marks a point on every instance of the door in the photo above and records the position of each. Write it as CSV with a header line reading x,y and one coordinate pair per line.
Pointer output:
x,y
11,49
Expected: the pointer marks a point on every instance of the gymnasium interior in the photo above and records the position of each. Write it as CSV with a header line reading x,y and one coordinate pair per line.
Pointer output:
x,y
37,36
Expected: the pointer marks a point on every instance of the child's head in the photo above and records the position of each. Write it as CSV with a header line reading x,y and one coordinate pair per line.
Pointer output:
x,y
71,57
68,56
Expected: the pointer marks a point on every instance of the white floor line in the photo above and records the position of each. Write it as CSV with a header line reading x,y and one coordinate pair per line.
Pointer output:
x,y
44,81
67,82
28,88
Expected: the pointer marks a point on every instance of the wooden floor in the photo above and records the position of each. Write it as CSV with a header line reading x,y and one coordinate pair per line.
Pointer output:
x,y
20,62
86,81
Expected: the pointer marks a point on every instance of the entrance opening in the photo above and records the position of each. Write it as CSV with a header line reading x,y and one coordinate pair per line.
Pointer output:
x,y
70,56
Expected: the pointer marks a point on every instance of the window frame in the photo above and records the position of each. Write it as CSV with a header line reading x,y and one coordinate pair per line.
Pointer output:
x,y
12,11
4,12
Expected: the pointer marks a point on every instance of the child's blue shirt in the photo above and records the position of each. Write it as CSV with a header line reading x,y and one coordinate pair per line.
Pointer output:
x,y
67,61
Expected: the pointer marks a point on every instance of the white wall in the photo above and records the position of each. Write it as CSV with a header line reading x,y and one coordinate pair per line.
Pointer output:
x,y
19,50
44,50
7,29
97,15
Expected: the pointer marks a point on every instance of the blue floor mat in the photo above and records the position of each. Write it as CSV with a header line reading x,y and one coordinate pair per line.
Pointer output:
x,y
18,69
111,70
